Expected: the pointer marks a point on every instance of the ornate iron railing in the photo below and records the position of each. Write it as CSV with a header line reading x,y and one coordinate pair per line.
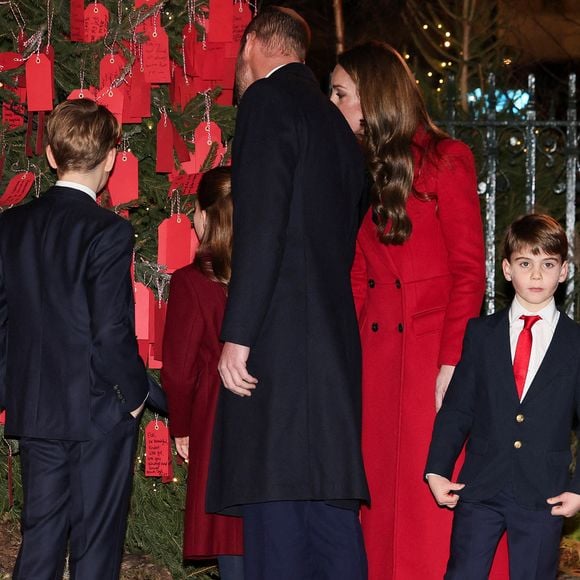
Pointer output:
x,y
516,149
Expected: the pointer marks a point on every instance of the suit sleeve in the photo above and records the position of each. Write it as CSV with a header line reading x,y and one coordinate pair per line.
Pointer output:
x,y
265,156
454,420
184,329
3,336
358,279
460,217
115,359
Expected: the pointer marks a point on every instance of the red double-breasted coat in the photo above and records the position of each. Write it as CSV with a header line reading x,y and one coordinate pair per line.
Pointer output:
x,y
413,302
191,350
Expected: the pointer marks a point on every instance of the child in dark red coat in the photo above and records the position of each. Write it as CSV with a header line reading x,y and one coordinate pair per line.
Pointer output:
x,y
191,349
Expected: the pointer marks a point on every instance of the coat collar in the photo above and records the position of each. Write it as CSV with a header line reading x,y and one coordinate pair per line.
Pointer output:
x,y
69,193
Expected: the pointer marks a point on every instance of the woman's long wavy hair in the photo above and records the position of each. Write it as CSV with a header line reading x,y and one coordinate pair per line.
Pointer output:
x,y
214,255
393,110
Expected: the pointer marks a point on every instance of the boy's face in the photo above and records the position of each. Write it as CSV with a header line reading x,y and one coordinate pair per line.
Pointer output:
x,y
535,277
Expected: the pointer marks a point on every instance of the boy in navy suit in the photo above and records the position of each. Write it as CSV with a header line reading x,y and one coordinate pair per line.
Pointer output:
x,y
71,379
514,397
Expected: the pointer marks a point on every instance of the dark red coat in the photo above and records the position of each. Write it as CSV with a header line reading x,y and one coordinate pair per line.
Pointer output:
x,y
413,302
191,349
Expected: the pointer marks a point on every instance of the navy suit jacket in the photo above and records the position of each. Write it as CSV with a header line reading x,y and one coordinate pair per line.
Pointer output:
x,y
69,363
524,444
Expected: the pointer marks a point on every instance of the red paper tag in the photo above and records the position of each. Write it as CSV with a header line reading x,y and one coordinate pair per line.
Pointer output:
x,y
88,93
160,315
113,100
213,62
10,60
185,183
13,114
3,418
156,57
205,135
180,146
174,242
144,311
242,16
77,20
221,21
17,189
152,362
123,183
96,22
110,69
164,163
138,96
39,83
157,449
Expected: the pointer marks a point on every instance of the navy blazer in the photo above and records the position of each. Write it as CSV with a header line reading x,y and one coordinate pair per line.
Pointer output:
x,y
524,444
69,363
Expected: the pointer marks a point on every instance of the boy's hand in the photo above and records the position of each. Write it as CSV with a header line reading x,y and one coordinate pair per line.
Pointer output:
x,y
442,490
566,504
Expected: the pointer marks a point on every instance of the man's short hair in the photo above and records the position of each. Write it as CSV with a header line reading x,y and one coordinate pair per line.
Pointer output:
x,y
540,233
281,30
81,133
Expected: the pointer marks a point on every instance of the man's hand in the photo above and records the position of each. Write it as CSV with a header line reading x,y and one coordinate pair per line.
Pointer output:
x,y
566,504
441,384
442,490
138,410
232,369
182,446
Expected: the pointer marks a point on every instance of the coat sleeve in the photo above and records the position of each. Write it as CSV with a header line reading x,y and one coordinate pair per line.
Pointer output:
x,y
3,337
115,358
358,279
184,329
454,420
460,217
264,160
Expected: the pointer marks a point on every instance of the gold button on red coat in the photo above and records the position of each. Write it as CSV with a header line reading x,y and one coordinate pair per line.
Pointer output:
x,y
518,444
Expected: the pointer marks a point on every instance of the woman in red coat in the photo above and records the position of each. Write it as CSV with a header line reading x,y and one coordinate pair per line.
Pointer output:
x,y
191,350
418,276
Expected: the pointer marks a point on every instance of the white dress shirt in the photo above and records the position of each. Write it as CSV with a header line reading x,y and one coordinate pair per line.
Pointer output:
x,y
542,333
75,185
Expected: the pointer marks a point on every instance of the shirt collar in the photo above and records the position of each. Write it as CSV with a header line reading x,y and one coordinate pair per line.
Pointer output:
x,y
275,69
79,186
549,313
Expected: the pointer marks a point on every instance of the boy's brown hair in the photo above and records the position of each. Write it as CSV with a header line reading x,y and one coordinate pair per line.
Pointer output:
x,y
81,133
540,233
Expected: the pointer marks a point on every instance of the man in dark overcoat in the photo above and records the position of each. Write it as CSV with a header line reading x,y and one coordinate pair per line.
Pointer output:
x,y
286,452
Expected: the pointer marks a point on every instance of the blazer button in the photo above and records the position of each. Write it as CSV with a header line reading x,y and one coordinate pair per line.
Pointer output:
x,y
397,283
518,444
400,327
520,418
375,326
371,283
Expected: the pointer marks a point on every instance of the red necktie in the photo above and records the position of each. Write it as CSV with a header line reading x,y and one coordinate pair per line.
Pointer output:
x,y
523,351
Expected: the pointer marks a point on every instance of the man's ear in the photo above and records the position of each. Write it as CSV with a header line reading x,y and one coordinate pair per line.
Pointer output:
x,y
249,44
50,157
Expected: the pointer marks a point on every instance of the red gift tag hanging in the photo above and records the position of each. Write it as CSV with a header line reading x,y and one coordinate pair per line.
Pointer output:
x,y
17,189
144,311
242,16
180,147
89,93
160,315
206,134
13,114
139,94
213,62
110,69
39,83
10,60
2,417
156,57
123,183
113,100
164,162
77,20
221,21
174,242
184,183
96,22
157,449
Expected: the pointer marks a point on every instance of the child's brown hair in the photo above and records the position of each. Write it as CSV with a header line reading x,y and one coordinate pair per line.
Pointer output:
x,y
540,233
80,134
214,255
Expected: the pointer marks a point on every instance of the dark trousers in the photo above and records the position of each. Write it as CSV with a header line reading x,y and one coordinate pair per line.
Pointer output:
x,y
302,540
533,539
76,495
